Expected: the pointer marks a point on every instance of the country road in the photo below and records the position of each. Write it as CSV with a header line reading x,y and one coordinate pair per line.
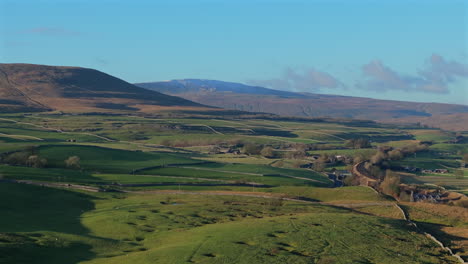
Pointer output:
x,y
367,180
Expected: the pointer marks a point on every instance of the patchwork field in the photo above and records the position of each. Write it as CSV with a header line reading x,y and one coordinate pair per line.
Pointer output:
x,y
134,189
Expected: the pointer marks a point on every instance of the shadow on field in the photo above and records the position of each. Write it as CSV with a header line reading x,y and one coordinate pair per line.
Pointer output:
x,y
447,239
30,215
39,248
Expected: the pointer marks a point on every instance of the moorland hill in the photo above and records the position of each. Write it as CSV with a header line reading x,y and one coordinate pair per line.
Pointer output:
x,y
29,87
243,97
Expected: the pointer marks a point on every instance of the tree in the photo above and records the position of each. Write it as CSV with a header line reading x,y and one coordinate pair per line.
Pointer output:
x,y
324,158
376,171
251,149
36,162
215,150
319,166
391,184
301,147
73,162
358,143
17,158
296,154
351,180
378,158
267,152
395,154
358,159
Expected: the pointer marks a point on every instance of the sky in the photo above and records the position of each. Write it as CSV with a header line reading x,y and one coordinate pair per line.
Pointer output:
x,y
412,50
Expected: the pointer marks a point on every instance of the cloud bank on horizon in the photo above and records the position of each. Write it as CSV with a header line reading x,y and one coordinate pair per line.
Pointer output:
x,y
308,80
436,77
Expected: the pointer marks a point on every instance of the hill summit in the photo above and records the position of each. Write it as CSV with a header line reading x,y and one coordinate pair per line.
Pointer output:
x,y
30,87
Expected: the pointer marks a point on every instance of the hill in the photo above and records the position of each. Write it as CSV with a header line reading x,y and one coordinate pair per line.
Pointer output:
x,y
197,85
133,189
29,87
258,99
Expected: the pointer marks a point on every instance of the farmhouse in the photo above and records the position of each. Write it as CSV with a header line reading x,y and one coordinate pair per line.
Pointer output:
x,y
314,157
411,169
342,173
441,171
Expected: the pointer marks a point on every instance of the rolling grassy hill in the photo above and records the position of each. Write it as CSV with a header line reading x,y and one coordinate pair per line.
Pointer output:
x,y
153,190
29,87
258,99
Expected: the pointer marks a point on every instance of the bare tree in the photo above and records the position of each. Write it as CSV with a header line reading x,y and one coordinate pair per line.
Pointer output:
x,y
73,162
378,158
251,149
267,152
319,165
36,162
395,154
391,184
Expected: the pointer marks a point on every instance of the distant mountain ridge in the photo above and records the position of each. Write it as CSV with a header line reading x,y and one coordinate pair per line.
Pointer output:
x,y
30,87
243,97
199,85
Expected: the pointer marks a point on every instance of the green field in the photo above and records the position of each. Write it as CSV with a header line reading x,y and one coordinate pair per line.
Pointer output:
x,y
165,197
58,225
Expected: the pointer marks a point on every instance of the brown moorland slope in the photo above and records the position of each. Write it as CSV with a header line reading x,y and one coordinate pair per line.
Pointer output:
x,y
30,87
258,99
13,99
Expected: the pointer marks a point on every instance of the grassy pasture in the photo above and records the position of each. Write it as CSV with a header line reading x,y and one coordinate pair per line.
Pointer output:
x,y
20,132
431,135
153,228
108,160
149,225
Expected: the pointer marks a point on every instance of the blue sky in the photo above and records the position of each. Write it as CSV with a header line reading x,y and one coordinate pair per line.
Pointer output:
x,y
403,50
